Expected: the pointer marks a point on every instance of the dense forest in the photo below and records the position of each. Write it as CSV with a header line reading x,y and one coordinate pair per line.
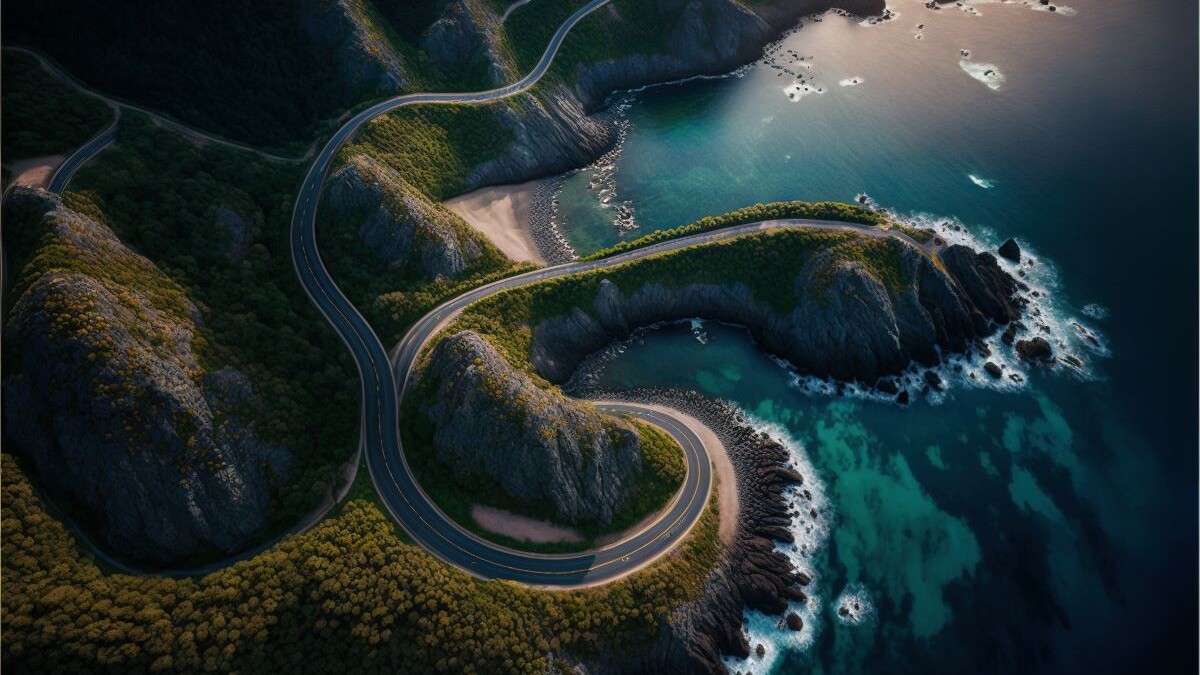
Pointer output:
x,y
347,596
42,116
245,70
216,221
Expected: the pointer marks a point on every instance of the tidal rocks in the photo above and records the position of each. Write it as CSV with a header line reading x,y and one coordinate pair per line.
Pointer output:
x,y
992,369
538,445
1035,350
403,226
1010,250
933,379
753,574
107,400
847,323
990,289
794,622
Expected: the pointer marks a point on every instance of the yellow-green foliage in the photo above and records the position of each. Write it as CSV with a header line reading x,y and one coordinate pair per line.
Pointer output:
x,y
347,596
433,147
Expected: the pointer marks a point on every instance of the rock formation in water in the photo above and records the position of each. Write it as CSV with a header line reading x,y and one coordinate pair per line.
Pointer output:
x,y
106,398
402,225
846,322
538,445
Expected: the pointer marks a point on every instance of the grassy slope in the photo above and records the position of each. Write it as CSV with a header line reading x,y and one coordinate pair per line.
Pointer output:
x,y
160,195
348,596
42,116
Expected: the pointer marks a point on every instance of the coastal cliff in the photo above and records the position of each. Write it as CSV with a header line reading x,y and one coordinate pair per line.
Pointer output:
x,y
105,394
540,446
562,124
833,316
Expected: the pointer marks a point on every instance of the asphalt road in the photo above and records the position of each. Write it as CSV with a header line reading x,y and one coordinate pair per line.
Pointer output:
x,y
384,380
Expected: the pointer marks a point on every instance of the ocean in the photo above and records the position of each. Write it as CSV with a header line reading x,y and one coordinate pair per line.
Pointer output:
x,y
1041,526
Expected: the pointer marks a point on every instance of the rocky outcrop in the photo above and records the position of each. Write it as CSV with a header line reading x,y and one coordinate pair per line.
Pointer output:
x,y
467,34
401,224
552,133
846,322
107,400
538,445
368,63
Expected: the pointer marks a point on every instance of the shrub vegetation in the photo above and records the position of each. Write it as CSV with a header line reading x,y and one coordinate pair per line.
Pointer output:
x,y
42,116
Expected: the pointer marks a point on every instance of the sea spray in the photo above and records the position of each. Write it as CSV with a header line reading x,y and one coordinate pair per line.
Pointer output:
x,y
811,534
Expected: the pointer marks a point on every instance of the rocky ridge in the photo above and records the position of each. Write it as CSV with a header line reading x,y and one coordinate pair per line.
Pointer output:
x,y
107,399
538,445
846,323
401,224
368,62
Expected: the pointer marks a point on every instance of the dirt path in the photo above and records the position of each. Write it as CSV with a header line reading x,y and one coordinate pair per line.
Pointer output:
x,y
499,521
35,171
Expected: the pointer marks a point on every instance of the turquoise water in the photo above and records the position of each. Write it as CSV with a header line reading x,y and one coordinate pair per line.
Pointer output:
x,y
1045,528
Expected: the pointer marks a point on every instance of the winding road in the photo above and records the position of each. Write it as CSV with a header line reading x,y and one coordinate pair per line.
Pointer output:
x,y
384,380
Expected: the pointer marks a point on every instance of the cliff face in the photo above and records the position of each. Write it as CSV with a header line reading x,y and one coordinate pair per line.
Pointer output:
x,y
539,445
109,402
401,224
845,322
552,128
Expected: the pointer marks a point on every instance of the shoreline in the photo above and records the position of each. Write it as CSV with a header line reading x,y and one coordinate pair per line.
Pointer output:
x,y
753,575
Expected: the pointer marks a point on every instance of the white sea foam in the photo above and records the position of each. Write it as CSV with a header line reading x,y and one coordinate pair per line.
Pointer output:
x,y
854,606
1076,343
986,73
811,535
982,182
852,81
1095,311
799,90
698,331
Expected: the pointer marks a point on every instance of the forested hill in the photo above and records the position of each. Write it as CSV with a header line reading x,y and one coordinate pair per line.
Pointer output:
x,y
257,72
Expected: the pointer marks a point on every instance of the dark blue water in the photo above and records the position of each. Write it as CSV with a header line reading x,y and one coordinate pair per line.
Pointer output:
x,y
1046,528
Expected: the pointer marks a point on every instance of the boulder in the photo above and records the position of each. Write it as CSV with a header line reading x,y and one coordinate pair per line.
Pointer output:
x,y
1010,250
992,369
794,622
1036,350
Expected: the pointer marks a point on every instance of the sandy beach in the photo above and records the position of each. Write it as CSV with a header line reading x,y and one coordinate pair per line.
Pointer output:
x,y
502,214
35,171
